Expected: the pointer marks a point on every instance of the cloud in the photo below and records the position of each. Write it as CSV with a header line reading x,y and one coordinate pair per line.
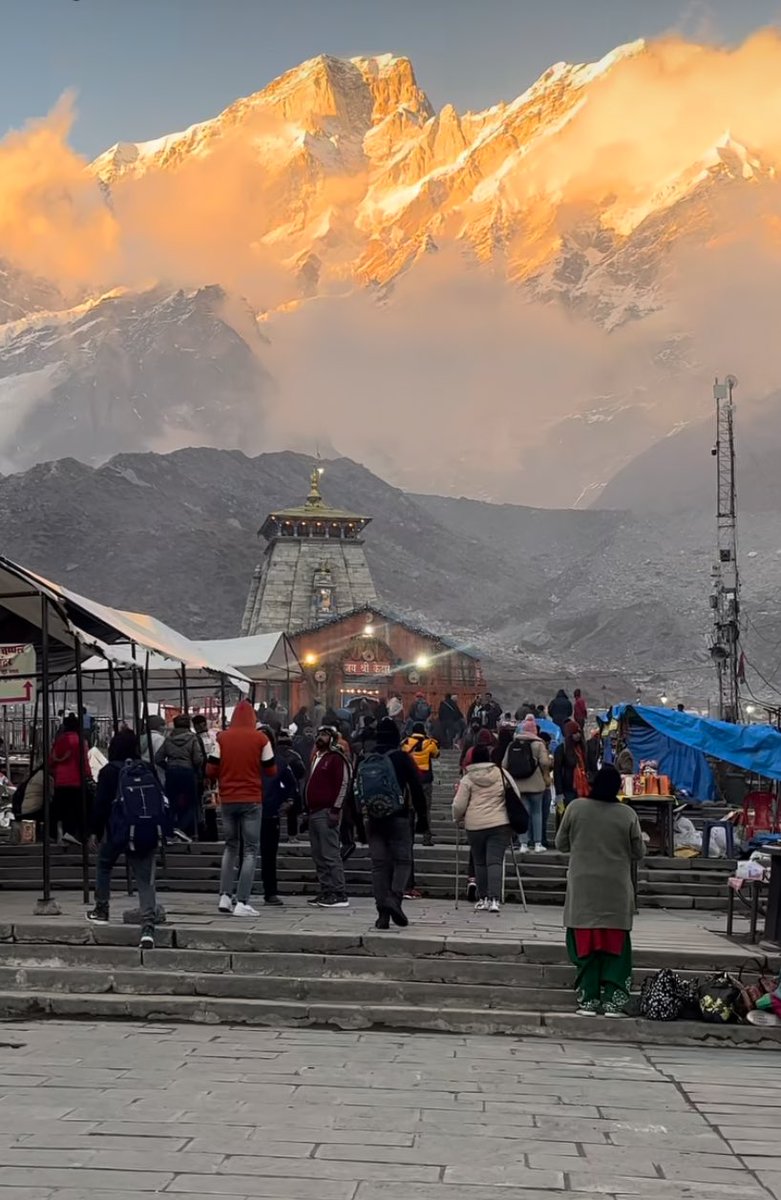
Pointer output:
x,y
53,219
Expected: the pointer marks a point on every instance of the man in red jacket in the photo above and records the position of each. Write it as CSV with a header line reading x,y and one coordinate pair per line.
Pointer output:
x,y
326,792
242,755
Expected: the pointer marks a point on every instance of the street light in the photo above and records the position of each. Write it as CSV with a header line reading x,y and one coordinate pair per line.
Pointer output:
x,y
368,631
422,662
663,698
310,660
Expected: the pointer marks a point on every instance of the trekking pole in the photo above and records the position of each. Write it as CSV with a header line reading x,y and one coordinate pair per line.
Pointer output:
x,y
458,848
518,877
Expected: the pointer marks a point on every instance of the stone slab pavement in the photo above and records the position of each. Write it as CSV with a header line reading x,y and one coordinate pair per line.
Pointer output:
x,y
123,1111
654,929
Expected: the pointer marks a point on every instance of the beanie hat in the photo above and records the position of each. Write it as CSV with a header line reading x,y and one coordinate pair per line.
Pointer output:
x,y
485,738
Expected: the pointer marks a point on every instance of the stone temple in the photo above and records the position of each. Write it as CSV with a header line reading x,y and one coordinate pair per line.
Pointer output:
x,y
313,568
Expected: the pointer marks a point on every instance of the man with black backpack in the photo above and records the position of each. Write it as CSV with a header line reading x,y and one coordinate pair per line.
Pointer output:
x,y
420,710
528,763
388,788
131,816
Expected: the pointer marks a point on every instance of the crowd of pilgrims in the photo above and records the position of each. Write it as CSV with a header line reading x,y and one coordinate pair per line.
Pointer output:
x,y
365,774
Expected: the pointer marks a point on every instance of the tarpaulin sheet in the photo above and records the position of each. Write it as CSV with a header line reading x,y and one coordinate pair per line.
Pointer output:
x,y
686,767
757,748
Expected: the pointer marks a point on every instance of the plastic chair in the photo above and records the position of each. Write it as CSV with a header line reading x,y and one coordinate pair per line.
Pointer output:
x,y
758,816
729,834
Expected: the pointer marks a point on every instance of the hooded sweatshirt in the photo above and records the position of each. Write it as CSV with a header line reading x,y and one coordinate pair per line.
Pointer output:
x,y
181,748
241,757
479,801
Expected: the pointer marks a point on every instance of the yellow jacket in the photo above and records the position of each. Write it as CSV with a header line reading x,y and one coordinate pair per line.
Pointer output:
x,y
423,749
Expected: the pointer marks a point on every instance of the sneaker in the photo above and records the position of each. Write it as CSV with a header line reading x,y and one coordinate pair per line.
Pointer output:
x,y
428,839
98,915
181,836
587,1012
413,894
523,847
494,906
147,938
481,906
333,902
471,891
316,900
539,848
383,920
274,901
226,904
69,840
614,1013
245,910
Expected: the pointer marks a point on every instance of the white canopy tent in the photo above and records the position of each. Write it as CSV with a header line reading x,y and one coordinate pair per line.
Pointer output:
x,y
263,658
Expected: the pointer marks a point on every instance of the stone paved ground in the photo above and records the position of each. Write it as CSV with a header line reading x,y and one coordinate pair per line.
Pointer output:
x,y
116,1112
654,929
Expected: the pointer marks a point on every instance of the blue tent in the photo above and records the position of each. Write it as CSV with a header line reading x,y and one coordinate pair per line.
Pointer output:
x,y
679,742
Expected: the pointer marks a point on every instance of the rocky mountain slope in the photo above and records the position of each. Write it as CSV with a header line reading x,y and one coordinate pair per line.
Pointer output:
x,y
573,262
542,593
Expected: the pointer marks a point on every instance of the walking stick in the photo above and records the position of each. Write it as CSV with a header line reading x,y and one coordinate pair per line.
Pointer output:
x,y
518,877
458,856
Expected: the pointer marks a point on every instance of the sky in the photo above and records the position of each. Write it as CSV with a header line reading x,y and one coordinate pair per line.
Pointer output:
x,y
143,68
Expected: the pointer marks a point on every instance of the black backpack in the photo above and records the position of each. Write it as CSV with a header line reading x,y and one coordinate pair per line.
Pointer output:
x,y
521,763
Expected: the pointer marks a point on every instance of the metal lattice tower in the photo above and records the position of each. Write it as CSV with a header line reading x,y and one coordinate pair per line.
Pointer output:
x,y
725,601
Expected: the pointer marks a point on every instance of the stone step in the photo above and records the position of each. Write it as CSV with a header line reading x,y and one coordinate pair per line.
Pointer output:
x,y
147,981
62,936
25,1005
26,958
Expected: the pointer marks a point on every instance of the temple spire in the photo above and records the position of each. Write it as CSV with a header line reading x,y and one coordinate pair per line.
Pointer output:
x,y
314,499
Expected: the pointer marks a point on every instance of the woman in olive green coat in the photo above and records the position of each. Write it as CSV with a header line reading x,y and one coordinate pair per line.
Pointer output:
x,y
603,839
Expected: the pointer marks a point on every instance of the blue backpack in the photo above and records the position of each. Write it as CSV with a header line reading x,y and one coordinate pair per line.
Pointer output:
x,y
377,787
140,816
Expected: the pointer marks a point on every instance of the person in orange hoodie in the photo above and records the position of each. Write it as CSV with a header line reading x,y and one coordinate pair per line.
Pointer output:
x,y
242,755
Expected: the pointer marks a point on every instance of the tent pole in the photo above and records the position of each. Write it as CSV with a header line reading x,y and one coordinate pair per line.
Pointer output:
x,y
113,692
145,698
223,721
34,735
82,779
45,732
136,708
185,697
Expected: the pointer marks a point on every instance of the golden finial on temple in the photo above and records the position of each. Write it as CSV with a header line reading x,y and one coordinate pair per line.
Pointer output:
x,y
314,499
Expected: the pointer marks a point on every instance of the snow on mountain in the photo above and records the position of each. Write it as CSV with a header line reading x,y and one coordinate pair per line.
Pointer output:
x,y
356,176
339,180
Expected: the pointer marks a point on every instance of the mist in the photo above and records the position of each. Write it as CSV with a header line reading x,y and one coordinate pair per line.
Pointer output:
x,y
456,369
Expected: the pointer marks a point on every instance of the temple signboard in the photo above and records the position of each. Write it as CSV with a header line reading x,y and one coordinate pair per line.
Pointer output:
x,y
354,667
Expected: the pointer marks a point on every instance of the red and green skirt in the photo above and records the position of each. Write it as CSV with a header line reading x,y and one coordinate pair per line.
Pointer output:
x,y
603,959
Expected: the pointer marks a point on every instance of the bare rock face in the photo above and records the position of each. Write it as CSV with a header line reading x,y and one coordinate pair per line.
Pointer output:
x,y
541,593
136,370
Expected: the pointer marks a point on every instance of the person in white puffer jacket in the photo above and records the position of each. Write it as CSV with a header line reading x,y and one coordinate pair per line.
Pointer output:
x,y
480,804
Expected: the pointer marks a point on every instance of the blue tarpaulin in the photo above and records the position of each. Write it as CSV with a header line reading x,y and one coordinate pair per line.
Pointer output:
x,y
757,748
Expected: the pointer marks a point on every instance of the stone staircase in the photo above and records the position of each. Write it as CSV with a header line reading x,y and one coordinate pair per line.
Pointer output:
x,y
669,883
349,979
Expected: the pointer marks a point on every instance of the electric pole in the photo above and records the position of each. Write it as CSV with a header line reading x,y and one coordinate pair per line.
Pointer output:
x,y
725,600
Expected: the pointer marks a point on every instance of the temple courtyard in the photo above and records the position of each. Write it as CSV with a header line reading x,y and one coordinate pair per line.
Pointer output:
x,y
119,1111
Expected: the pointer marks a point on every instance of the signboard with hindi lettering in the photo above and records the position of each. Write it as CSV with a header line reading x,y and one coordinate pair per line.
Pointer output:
x,y
17,673
352,667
